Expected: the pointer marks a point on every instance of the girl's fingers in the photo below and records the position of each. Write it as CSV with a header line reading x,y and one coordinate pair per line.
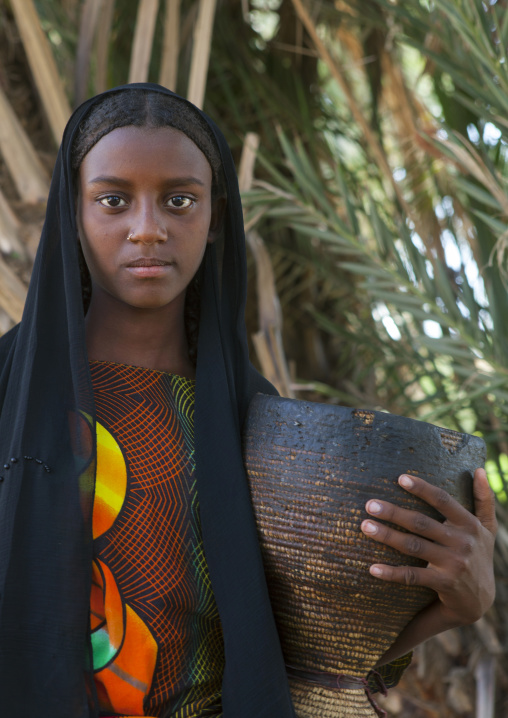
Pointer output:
x,y
408,544
459,528
484,500
413,521
407,575
438,498
458,552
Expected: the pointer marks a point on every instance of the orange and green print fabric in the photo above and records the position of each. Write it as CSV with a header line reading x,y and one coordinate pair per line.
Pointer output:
x,y
155,629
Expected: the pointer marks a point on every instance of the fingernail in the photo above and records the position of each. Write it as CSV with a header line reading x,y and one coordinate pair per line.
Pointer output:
x,y
406,482
376,571
369,528
374,507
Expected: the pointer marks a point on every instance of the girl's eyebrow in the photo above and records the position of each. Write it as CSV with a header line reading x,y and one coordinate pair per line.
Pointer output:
x,y
170,181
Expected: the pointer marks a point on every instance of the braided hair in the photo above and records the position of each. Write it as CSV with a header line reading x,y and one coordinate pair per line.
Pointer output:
x,y
152,110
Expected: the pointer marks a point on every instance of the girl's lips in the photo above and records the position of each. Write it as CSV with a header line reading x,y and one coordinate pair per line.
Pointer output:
x,y
152,270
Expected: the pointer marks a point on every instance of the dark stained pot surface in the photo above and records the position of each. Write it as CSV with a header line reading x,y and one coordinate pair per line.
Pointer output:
x,y
311,469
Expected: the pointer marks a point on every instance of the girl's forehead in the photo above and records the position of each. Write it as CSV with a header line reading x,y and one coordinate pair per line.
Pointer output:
x,y
145,148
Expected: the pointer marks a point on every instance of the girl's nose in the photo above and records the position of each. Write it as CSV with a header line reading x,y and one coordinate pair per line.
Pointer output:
x,y
148,227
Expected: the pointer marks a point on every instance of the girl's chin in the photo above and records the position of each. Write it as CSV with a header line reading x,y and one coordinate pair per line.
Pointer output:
x,y
151,305
145,296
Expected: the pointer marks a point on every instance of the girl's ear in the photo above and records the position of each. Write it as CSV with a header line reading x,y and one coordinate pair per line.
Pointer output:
x,y
218,210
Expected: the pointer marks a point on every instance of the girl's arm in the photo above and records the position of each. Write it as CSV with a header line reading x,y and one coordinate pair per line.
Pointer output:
x,y
459,553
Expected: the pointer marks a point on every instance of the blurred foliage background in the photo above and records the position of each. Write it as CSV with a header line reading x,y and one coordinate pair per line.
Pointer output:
x,y
379,193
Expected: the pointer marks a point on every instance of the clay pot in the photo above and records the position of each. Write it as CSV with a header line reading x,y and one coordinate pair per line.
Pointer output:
x,y
311,469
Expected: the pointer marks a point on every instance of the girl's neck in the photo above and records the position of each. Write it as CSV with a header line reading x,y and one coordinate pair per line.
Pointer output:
x,y
151,338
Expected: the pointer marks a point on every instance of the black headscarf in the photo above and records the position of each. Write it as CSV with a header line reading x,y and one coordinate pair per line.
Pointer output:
x,y
47,451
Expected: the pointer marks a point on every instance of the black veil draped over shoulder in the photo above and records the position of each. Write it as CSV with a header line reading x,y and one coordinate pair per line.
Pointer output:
x,y
47,465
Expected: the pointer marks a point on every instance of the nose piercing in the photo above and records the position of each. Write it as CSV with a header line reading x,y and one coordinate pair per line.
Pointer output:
x,y
129,237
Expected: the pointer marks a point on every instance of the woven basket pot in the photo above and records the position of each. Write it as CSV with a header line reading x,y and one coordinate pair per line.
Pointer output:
x,y
311,469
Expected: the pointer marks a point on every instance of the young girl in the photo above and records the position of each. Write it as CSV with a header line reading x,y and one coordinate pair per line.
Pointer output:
x,y
131,581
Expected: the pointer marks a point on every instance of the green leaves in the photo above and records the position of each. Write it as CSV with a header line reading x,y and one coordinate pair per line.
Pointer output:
x,y
395,271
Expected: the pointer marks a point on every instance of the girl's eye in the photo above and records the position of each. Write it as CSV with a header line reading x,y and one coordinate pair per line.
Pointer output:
x,y
180,202
113,201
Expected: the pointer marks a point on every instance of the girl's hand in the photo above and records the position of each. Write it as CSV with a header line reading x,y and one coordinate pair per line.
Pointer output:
x,y
459,552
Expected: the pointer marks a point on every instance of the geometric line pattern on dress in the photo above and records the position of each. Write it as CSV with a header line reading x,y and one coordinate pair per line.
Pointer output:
x,y
153,548
391,673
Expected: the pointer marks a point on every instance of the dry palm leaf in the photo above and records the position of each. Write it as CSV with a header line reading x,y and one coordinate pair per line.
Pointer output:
x,y
9,229
90,13
171,45
20,157
102,47
201,52
268,340
143,40
43,66
12,292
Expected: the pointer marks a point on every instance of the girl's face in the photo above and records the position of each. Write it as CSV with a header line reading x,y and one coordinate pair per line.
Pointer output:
x,y
144,215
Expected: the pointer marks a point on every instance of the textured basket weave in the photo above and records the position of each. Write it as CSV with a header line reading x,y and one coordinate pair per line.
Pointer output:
x,y
311,469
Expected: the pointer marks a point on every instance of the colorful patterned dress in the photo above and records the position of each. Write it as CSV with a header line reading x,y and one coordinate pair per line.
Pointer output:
x,y
156,634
